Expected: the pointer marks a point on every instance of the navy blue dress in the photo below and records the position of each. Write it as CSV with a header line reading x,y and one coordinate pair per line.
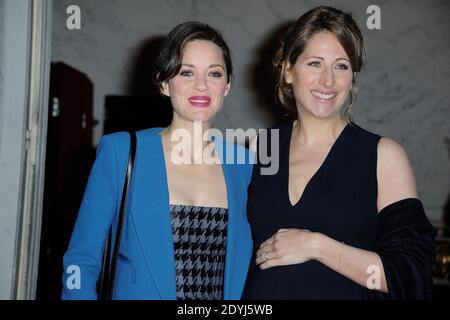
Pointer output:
x,y
339,201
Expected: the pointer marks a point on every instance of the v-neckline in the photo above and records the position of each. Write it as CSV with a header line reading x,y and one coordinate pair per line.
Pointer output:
x,y
166,173
313,177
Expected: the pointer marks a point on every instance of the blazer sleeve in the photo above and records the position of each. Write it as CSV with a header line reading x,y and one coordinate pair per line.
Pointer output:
x,y
83,259
405,244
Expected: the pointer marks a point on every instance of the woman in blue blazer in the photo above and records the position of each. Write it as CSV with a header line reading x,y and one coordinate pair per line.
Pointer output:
x,y
185,233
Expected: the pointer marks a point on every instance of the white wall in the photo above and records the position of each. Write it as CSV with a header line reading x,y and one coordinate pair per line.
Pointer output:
x,y
403,90
13,99
25,34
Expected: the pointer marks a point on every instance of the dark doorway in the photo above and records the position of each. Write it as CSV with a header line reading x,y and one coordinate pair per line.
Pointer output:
x,y
69,157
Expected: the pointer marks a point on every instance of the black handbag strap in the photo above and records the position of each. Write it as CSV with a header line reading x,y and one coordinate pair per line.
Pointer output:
x,y
126,185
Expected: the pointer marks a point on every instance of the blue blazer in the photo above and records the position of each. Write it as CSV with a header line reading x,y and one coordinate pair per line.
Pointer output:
x,y
146,267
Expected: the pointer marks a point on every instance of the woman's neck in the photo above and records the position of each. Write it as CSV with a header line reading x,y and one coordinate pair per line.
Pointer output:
x,y
191,137
313,132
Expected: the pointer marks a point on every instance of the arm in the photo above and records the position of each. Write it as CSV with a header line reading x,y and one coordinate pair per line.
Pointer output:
x,y
290,246
394,174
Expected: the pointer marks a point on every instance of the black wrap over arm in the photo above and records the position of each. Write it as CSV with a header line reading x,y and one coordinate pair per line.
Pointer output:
x,y
405,243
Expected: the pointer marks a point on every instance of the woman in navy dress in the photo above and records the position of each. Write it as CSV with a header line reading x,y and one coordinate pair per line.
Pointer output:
x,y
340,219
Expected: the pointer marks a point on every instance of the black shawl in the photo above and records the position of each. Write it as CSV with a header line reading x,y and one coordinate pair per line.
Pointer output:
x,y
405,243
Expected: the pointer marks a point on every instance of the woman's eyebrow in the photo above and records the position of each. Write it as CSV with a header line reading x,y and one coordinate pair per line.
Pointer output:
x,y
216,65
321,58
209,67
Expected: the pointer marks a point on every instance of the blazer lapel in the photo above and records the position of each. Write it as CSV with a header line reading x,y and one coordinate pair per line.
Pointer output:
x,y
233,273
151,214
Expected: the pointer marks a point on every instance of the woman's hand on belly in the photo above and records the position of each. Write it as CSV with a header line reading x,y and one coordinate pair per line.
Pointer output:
x,y
286,247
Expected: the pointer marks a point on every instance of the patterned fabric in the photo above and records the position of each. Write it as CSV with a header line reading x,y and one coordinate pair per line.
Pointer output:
x,y
199,237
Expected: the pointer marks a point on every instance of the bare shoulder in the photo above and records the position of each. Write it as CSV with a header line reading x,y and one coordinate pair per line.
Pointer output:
x,y
394,173
391,150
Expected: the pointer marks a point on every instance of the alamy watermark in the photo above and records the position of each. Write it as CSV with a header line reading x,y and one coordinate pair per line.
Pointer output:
x,y
374,20
73,21
73,280
188,147
374,280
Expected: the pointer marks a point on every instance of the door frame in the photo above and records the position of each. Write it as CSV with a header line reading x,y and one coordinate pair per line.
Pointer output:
x,y
25,56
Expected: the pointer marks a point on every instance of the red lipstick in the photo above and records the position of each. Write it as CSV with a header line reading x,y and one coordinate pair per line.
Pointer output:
x,y
200,101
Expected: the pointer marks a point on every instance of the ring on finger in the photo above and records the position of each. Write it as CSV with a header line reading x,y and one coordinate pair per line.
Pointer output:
x,y
263,257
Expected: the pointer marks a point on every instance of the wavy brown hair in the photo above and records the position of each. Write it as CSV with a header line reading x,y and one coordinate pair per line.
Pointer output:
x,y
296,38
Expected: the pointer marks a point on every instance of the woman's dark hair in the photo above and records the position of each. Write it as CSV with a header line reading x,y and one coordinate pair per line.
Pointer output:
x,y
296,38
169,60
